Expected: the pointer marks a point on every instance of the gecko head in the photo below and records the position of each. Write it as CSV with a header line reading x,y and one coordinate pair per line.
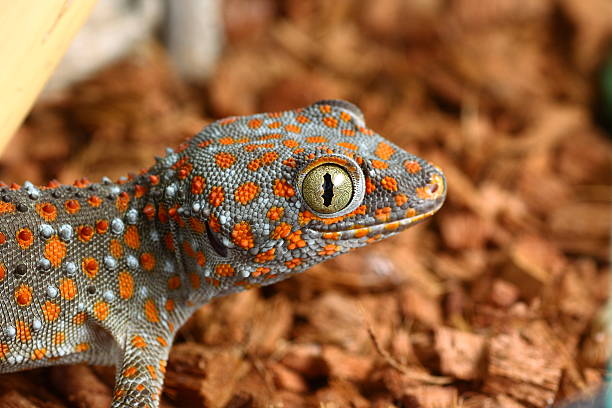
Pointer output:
x,y
279,192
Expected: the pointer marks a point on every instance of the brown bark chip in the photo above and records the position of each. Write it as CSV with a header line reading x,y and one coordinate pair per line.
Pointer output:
x,y
522,370
461,354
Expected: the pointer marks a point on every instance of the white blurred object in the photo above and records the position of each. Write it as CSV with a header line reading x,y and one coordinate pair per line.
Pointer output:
x,y
115,27
194,38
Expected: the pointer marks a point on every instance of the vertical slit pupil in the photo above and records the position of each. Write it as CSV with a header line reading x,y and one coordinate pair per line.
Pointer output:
x,y
328,190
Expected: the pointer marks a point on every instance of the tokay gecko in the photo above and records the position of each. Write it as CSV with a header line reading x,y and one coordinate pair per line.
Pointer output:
x,y
106,273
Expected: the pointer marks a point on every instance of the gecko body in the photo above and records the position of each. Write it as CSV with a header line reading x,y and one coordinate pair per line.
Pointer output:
x,y
106,273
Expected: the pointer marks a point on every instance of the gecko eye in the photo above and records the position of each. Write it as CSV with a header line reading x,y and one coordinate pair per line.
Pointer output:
x,y
327,189
331,186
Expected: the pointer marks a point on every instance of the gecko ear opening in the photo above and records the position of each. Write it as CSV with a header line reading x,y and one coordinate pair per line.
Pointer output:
x,y
348,107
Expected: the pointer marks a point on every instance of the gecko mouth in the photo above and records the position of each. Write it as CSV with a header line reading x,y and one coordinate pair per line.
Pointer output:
x,y
384,228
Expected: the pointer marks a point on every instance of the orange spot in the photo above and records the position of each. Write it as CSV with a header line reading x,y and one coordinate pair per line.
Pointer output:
x,y
377,164
6,207
246,192
329,249
302,119
224,270
94,201
325,108
254,165
214,223
260,271
132,237
293,128
68,289
162,214
275,213
194,279
169,241
139,190
126,285
23,295
2,238
281,231
265,256
116,249
290,162
72,206
271,136
38,354
362,232
147,260
200,258
412,166
370,186
152,372
348,145
174,282
400,199
216,196
382,214
153,179
23,331
150,311
348,132
25,238
85,233
196,225
242,235
197,185
283,189
389,183
55,251
4,349
47,211
59,338
2,272
169,306
149,211
384,151
330,122
331,235
101,310
101,226
81,347
295,240
79,318
274,125
130,371
293,263
392,226
291,143
139,342
225,160
254,123
90,267
316,139
51,311
123,200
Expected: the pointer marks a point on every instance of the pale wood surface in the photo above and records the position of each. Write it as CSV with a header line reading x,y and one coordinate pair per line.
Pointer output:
x,y
34,34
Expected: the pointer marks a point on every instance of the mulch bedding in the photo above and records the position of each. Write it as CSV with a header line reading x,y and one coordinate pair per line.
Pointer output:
x,y
495,302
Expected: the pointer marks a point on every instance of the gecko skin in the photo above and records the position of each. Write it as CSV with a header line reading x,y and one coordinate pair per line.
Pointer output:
x,y
106,273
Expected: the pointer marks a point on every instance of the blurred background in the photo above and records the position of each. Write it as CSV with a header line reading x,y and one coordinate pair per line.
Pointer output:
x,y
498,301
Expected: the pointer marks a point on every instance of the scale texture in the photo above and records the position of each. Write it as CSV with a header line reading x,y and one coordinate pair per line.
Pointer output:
x,y
105,273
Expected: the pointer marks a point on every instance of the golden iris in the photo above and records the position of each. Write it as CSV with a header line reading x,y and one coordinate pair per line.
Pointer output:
x,y
328,188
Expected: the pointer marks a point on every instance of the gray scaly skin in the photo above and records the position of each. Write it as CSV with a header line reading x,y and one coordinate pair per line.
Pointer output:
x,y
106,273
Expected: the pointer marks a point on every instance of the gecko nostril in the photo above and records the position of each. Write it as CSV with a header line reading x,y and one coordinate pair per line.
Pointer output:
x,y
433,188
